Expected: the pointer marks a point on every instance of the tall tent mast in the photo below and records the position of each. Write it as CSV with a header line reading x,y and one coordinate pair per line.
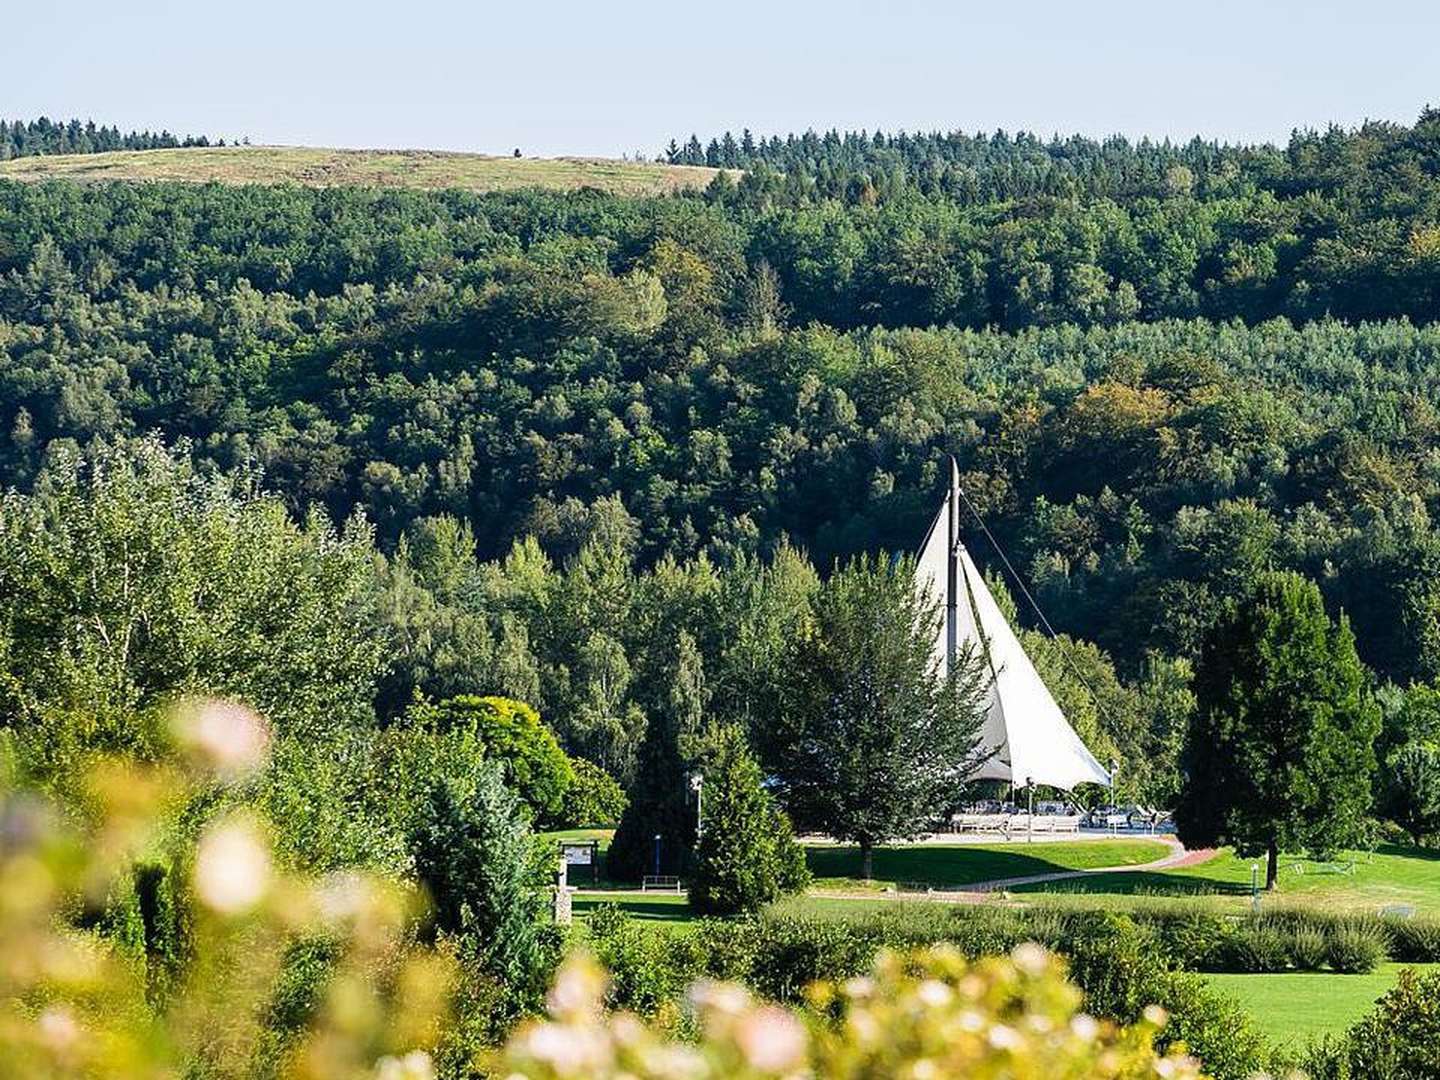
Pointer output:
x,y
952,572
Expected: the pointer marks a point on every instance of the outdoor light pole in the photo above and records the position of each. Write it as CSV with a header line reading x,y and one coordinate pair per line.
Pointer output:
x,y
1030,795
1255,887
657,854
697,782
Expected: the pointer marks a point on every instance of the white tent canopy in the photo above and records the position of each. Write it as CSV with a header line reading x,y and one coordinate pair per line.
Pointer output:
x,y
1025,735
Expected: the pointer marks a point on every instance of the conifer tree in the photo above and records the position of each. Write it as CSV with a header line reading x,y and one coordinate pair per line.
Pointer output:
x,y
746,853
1280,752
471,848
659,799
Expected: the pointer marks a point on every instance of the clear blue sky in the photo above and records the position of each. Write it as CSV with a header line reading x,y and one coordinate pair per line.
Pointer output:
x,y
602,77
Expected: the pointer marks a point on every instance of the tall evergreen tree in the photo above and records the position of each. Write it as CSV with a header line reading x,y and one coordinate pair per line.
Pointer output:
x,y
1280,754
660,804
1410,790
471,847
745,849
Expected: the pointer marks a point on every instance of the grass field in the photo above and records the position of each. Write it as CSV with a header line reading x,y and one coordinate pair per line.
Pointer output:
x,y
1296,1007
1390,875
838,867
379,168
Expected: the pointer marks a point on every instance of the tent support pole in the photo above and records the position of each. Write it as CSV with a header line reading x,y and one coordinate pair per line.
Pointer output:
x,y
952,572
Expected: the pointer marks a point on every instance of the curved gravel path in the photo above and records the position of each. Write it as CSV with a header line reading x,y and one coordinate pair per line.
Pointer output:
x,y
1177,858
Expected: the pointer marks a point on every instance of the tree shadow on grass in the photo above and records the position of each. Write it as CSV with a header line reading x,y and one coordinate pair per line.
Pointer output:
x,y
1140,883
645,910
932,865
1409,851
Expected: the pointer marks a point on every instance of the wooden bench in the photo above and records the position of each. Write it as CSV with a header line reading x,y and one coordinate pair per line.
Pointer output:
x,y
660,883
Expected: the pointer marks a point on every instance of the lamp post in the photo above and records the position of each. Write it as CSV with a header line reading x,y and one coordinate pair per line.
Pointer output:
x,y
1030,809
1255,887
657,854
697,783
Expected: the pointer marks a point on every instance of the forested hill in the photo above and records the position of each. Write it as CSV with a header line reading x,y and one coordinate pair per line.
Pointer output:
x,y
1375,160
735,373
22,138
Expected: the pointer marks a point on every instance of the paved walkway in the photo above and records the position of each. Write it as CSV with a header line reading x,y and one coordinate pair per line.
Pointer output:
x,y
950,839
1177,858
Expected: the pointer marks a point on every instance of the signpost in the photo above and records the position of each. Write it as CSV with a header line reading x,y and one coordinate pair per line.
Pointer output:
x,y
577,853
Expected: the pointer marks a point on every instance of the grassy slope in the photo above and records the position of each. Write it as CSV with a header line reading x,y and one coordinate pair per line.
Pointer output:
x,y
838,867
1294,1007
383,168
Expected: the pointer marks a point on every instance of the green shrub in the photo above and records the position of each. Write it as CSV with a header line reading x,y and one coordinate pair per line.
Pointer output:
x,y
1113,960
643,970
739,861
994,931
1195,938
1257,948
728,947
473,853
1414,941
913,1015
1119,965
794,951
792,869
1356,948
1309,948
1397,1039
1213,1026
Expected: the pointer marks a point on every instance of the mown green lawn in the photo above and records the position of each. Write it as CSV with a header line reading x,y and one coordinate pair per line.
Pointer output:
x,y
1295,1007
669,912
838,866
651,907
1393,874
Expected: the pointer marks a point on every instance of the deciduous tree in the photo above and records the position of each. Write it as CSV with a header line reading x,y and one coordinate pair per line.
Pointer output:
x,y
870,744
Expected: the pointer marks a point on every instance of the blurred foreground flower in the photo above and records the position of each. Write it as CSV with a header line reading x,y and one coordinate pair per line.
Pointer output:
x,y
223,736
232,866
84,900
930,1015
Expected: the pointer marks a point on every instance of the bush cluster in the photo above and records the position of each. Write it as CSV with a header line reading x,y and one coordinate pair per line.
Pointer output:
x,y
1117,963
929,1013
1292,939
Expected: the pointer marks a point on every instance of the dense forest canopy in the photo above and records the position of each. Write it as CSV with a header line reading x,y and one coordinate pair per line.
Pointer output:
x,y
22,138
976,168
1152,397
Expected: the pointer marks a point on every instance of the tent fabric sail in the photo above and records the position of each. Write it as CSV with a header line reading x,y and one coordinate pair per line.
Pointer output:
x,y
1024,735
